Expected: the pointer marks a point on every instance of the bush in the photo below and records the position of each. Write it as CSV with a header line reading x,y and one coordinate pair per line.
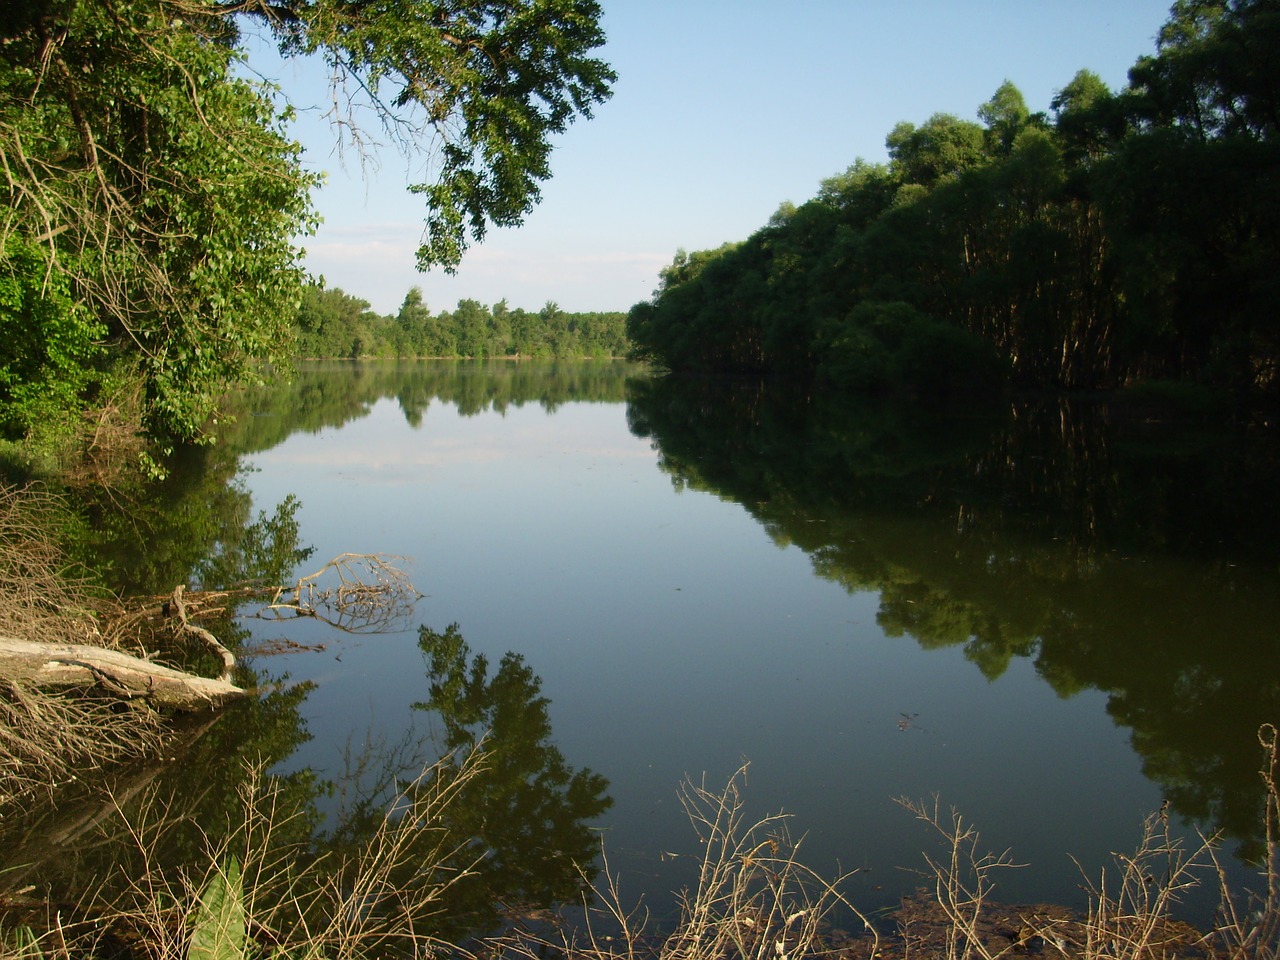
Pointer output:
x,y
49,346
860,356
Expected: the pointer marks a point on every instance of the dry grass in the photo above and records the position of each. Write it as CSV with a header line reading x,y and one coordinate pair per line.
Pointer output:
x,y
753,899
48,740
40,600
1132,910
380,898
1249,925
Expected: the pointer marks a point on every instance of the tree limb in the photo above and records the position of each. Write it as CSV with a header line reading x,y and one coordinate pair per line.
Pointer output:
x,y
79,665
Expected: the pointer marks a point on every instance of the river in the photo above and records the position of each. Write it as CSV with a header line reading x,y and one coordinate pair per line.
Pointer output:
x,y
1051,616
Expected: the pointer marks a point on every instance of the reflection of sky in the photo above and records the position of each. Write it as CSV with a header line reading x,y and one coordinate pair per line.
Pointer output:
x,y
387,450
674,637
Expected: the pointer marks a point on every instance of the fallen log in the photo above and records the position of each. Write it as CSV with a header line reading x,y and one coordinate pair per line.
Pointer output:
x,y
51,665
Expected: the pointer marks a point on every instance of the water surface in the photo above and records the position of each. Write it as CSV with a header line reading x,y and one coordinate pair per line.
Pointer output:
x,y
1051,617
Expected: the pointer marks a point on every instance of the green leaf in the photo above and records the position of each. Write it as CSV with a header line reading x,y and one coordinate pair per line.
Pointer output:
x,y
219,932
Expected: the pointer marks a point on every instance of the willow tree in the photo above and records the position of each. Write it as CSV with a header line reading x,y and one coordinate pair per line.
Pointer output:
x,y
151,196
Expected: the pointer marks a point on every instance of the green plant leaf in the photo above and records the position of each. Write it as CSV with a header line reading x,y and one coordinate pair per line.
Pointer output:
x,y
218,932
26,945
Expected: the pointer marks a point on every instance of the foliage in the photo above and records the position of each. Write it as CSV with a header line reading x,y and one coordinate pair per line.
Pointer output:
x,y
150,197
219,931
483,87
331,323
160,188
1128,236
893,347
50,348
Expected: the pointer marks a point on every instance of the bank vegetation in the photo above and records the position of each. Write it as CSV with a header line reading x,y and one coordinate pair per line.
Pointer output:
x,y
152,196
331,323
1118,237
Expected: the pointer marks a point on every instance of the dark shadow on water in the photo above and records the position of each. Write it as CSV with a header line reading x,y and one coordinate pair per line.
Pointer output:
x,y
1133,557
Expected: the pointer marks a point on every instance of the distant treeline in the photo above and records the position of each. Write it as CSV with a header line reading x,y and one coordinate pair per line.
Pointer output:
x,y
331,323
1121,237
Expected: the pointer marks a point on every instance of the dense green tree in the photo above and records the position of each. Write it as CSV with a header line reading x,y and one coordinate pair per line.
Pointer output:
x,y
1087,118
1132,236
1214,74
414,323
50,346
331,323
943,147
158,184
1005,116
528,334
1196,245
470,329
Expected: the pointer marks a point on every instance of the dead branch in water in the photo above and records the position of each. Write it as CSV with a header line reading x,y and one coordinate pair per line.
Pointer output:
x,y
371,594
353,592
204,636
73,702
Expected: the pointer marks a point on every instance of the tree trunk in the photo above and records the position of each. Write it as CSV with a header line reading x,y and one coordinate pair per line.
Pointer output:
x,y
47,665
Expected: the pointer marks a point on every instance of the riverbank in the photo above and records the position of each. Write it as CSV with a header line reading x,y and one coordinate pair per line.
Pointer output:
x,y
922,929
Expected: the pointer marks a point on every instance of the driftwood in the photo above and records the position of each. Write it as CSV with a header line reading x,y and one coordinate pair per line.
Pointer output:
x,y
367,593
48,665
200,633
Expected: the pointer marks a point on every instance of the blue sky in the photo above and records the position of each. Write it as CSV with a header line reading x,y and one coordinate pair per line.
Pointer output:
x,y
722,111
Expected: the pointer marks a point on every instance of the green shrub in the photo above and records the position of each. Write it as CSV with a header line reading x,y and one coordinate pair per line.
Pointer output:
x,y
49,347
859,358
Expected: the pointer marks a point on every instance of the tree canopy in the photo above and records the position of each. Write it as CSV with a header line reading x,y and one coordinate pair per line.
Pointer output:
x,y
151,196
1123,236
485,84
332,323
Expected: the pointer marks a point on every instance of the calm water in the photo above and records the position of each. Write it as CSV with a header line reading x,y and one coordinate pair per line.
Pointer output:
x,y
1053,620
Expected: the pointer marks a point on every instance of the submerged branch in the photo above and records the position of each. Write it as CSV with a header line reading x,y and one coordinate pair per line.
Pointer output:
x,y
203,635
371,594
354,592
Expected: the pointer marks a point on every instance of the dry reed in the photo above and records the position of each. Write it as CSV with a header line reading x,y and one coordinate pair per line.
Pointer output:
x,y
1132,911
753,898
48,740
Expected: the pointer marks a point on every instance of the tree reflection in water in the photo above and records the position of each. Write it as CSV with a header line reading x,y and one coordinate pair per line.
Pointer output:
x,y
488,826
520,825
1118,553
528,810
